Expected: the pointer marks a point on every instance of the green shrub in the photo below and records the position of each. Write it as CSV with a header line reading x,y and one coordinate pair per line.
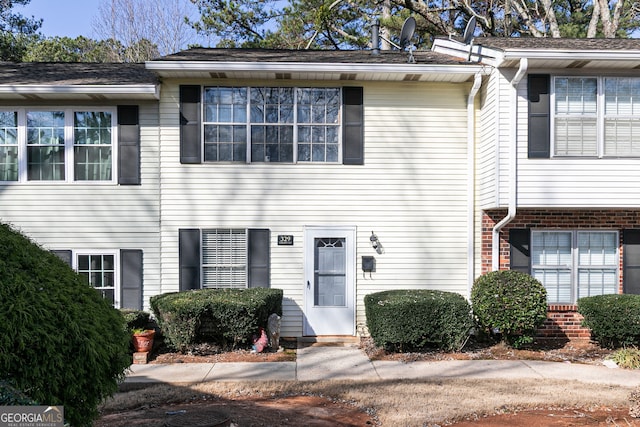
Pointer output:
x,y
61,343
614,319
228,317
135,319
511,302
413,319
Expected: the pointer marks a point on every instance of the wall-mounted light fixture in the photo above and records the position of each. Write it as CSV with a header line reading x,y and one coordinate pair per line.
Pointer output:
x,y
375,243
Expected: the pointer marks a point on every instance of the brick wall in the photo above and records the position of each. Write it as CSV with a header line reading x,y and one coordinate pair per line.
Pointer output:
x,y
563,322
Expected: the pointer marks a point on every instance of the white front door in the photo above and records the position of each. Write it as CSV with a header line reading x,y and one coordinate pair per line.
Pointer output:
x,y
329,297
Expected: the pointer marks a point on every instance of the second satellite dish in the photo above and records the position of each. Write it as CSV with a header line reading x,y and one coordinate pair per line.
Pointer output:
x,y
408,30
469,30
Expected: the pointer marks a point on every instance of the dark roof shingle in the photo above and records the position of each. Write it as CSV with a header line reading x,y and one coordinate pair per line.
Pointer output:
x,y
59,73
308,56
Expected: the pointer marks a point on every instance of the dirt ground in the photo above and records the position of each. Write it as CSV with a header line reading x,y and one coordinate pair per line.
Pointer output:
x,y
257,410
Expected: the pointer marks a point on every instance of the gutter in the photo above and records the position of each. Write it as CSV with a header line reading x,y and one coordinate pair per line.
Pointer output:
x,y
471,160
513,158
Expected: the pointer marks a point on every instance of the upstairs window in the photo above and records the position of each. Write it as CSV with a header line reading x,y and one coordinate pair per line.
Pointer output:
x,y
8,146
596,117
271,124
68,145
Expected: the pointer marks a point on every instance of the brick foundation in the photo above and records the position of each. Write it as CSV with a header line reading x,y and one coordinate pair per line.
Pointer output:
x,y
563,322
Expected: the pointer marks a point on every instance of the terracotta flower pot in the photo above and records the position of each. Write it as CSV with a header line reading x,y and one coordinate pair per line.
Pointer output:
x,y
143,341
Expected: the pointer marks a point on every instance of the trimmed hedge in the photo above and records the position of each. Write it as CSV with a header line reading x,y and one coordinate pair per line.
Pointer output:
x,y
402,320
61,343
228,317
511,302
614,320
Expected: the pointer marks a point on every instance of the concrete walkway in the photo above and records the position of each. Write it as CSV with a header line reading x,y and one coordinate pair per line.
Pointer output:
x,y
350,363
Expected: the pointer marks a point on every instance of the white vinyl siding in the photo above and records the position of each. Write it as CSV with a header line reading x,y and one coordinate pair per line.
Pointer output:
x,y
575,264
560,182
224,258
411,190
96,215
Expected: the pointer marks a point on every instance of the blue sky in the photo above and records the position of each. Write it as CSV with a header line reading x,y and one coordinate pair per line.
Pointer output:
x,y
71,18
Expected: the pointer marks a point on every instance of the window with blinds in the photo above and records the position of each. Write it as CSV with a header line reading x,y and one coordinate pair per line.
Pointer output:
x,y
596,116
224,258
575,264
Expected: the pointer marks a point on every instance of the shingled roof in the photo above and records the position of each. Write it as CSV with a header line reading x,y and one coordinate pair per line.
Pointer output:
x,y
537,43
308,56
59,73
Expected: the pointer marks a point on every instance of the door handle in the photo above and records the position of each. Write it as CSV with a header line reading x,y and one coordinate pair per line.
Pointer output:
x,y
308,285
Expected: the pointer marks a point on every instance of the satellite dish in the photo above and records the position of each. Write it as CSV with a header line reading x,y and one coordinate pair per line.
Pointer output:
x,y
408,29
469,30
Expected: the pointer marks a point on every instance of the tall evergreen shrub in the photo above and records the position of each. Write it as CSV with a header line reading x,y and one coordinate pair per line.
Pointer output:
x,y
61,343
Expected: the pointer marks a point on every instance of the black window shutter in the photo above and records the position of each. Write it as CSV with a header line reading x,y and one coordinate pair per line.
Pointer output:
x,y
190,143
352,126
131,278
189,258
259,258
128,145
519,250
64,255
631,261
539,116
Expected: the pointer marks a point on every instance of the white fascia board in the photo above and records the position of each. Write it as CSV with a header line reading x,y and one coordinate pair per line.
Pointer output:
x,y
152,90
293,67
592,55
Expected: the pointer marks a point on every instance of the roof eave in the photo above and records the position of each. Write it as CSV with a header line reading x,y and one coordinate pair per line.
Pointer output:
x,y
150,91
292,67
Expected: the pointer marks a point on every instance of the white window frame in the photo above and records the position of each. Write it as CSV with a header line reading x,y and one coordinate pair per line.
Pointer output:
x,y
600,115
117,298
69,144
249,123
574,265
244,265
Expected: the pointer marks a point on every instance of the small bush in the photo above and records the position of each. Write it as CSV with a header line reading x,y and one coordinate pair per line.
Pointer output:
x,y
135,319
614,319
61,342
228,317
628,358
511,302
413,319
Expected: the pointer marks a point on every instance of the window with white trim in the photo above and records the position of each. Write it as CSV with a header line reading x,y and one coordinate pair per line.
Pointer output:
x,y
271,124
596,116
98,269
224,258
58,144
572,264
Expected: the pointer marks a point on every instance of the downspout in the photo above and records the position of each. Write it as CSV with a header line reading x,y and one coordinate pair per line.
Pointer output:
x,y
471,160
513,158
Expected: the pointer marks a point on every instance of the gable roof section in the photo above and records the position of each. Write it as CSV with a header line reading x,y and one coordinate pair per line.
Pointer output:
x,y
313,65
547,52
33,81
